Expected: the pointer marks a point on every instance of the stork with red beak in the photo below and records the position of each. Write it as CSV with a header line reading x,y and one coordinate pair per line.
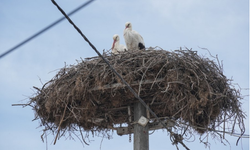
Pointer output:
x,y
133,39
117,47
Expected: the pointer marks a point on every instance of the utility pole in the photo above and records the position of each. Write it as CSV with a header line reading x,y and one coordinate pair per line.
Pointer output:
x,y
141,137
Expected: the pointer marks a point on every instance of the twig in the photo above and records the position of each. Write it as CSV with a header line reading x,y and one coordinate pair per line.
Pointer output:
x,y
58,130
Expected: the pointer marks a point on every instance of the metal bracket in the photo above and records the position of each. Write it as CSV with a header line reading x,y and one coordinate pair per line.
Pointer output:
x,y
152,126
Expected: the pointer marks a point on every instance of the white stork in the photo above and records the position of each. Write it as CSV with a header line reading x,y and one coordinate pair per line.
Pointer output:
x,y
133,39
117,47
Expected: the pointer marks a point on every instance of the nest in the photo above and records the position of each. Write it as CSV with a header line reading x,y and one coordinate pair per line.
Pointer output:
x,y
178,84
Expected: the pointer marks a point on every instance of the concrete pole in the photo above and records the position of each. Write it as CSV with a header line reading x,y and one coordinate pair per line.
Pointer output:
x,y
141,138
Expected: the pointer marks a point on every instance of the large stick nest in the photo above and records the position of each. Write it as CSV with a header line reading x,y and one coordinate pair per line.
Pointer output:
x,y
178,84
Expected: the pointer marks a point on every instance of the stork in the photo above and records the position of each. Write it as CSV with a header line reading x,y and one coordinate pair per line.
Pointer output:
x,y
117,47
133,39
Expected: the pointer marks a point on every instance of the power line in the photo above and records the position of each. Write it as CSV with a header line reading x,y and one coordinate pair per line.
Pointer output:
x,y
45,29
173,135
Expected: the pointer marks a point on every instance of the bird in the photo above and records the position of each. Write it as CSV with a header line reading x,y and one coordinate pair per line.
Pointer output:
x,y
133,39
117,47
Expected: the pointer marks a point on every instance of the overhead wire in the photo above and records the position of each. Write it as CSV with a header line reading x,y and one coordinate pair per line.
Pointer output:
x,y
66,16
44,29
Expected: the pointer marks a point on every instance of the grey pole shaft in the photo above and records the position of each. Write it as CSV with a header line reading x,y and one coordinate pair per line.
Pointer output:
x,y
141,137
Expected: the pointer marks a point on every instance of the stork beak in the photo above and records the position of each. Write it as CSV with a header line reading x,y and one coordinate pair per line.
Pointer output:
x,y
113,44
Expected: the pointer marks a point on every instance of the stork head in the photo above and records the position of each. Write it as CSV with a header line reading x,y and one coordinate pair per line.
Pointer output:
x,y
128,25
116,39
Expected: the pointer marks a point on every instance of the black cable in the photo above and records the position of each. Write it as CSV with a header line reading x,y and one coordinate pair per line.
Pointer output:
x,y
127,85
45,29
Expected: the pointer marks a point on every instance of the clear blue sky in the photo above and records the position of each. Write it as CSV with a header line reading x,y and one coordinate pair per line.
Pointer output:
x,y
222,26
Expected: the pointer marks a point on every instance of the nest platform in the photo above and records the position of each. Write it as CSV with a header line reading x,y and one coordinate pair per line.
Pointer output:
x,y
178,84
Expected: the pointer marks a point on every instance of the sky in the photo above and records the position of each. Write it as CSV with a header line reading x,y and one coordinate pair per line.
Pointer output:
x,y
221,26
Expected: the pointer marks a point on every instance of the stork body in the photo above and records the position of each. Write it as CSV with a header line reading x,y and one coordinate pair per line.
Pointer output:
x,y
133,39
117,47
